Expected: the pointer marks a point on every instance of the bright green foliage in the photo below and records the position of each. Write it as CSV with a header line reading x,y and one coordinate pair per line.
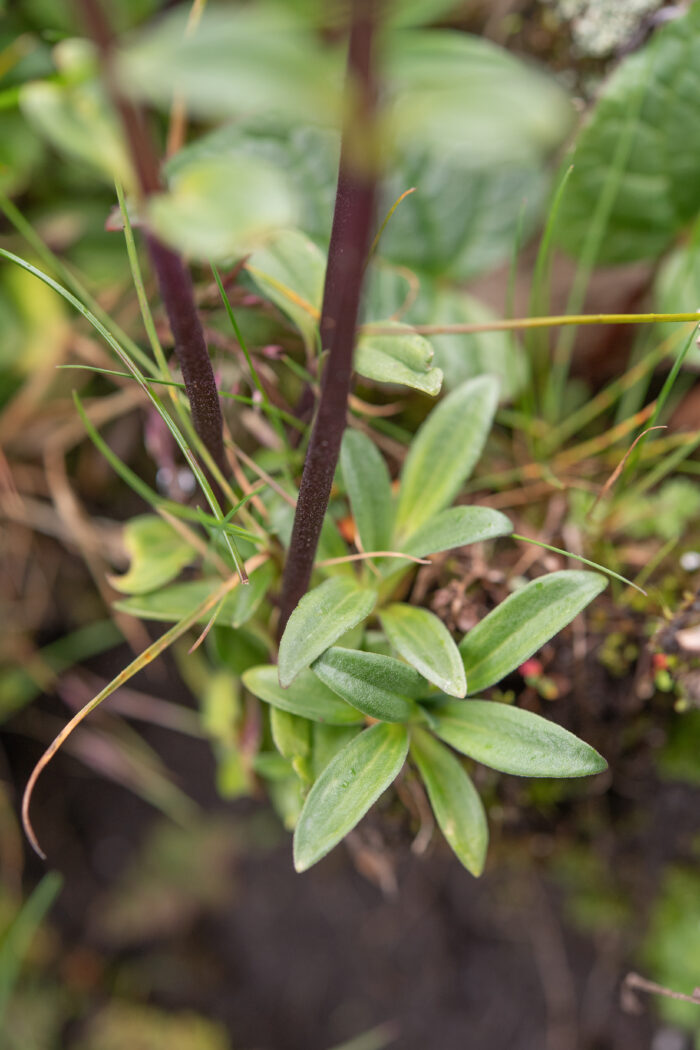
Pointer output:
x,y
425,643
305,696
177,601
521,624
456,804
634,155
514,741
368,486
321,617
289,271
345,790
377,685
444,452
157,554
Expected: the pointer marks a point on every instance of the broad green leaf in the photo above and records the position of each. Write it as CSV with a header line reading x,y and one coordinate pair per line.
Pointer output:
x,y
291,733
461,221
514,741
426,644
444,453
175,602
345,790
457,93
289,271
456,527
200,215
306,696
320,618
404,358
456,804
272,766
368,486
327,741
241,61
287,799
76,119
377,685
520,625
636,157
157,554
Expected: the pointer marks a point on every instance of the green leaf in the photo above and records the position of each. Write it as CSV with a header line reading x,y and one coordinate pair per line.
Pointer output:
x,y
241,61
456,804
404,358
345,790
176,602
306,696
289,271
456,93
291,733
377,685
200,215
514,741
157,554
456,527
76,119
320,618
444,452
426,644
520,625
368,486
327,741
637,152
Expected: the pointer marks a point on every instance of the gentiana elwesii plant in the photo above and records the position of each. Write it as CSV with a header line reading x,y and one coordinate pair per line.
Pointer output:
x,y
357,685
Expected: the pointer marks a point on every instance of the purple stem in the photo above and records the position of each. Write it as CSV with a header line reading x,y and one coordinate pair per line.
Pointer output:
x,y
174,281
347,254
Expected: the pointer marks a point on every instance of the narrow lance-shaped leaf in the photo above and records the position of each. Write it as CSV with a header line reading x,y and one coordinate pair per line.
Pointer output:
x,y
426,644
514,741
520,625
456,804
345,790
368,485
306,696
377,685
320,618
444,452
456,527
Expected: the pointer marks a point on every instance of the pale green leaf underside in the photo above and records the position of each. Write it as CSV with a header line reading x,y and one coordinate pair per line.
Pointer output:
x,y
514,741
426,644
368,486
306,696
444,452
377,685
456,527
520,625
320,618
351,783
404,359
456,804
174,603
157,554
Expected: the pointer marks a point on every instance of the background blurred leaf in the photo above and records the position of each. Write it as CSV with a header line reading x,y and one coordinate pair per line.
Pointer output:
x,y
157,554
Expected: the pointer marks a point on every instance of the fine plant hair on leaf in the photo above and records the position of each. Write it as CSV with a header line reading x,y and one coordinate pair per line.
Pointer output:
x,y
141,380
141,661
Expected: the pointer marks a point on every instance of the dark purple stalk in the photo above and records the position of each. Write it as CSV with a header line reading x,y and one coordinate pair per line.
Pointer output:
x,y
174,281
347,254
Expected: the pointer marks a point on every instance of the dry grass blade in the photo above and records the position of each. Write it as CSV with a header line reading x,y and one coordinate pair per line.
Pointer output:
x,y
141,661
371,554
620,467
